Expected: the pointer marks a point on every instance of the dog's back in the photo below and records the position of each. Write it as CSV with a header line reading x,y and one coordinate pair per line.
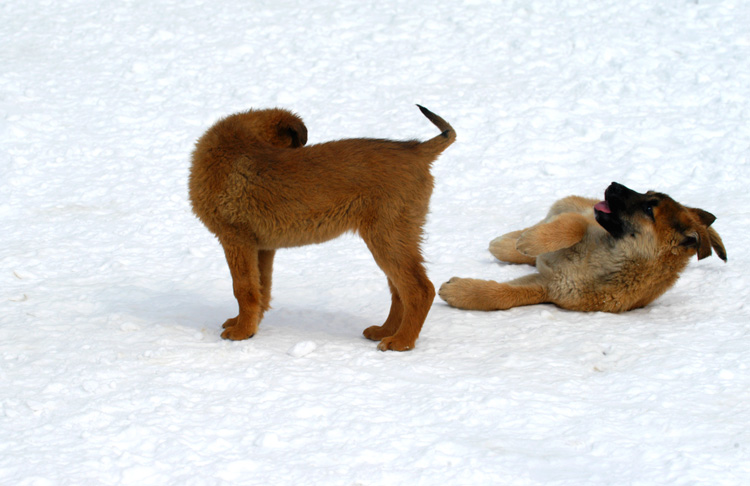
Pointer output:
x,y
251,172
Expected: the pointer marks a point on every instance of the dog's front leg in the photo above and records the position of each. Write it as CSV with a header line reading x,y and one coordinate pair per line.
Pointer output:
x,y
563,231
488,295
243,265
265,266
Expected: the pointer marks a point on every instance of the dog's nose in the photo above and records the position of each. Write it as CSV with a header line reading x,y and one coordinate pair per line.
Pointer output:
x,y
617,190
618,195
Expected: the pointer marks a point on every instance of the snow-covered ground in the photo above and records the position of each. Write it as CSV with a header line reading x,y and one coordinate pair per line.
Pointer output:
x,y
111,366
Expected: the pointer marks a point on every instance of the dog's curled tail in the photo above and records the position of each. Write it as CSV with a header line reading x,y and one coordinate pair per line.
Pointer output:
x,y
442,141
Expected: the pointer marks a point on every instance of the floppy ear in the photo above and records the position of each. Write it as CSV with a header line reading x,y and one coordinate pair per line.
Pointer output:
x,y
293,128
717,244
706,218
706,239
698,238
283,129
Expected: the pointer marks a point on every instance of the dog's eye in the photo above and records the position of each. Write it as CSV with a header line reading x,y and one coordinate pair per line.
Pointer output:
x,y
648,209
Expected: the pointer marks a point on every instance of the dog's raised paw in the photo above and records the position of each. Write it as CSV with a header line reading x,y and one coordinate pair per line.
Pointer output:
x,y
527,244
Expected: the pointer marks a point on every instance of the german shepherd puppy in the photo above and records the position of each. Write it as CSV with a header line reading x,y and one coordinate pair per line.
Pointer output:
x,y
612,256
256,186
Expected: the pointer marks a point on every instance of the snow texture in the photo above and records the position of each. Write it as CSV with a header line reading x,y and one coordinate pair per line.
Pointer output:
x,y
112,370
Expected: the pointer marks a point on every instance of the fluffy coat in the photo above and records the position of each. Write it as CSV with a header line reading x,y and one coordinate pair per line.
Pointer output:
x,y
612,256
258,188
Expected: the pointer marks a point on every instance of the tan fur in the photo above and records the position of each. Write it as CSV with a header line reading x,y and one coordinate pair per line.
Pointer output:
x,y
256,186
582,267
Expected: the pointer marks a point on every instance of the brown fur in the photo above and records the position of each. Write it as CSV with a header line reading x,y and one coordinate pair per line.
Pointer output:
x,y
582,267
256,186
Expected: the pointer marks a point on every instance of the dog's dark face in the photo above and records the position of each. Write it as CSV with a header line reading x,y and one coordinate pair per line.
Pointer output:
x,y
623,210
625,213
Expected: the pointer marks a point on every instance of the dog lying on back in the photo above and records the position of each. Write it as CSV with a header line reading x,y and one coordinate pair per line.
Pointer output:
x,y
612,256
256,186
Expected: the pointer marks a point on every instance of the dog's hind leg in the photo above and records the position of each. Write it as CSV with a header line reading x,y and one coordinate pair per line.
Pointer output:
x,y
416,293
504,249
487,295
246,282
413,291
392,323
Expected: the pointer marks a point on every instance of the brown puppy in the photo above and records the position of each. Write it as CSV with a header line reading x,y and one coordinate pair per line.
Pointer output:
x,y
611,256
257,188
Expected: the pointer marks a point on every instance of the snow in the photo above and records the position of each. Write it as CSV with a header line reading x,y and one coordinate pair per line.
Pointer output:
x,y
112,370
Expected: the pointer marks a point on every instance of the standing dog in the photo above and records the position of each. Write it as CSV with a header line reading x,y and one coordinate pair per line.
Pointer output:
x,y
256,186
612,256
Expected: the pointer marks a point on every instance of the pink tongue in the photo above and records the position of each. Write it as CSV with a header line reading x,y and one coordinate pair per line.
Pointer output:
x,y
603,207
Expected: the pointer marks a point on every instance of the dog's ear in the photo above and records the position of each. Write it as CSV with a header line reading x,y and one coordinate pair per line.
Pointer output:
x,y
296,131
717,244
292,128
283,129
698,238
708,238
706,218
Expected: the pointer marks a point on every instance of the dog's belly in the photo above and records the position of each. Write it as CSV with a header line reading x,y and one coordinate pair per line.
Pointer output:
x,y
589,286
571,282
297,235
272,230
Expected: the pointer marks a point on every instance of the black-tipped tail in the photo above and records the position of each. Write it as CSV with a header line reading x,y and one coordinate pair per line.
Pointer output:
x,y
447,135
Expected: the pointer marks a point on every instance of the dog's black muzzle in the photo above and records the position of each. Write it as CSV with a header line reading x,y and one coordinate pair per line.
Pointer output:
x,y
620,197
618,202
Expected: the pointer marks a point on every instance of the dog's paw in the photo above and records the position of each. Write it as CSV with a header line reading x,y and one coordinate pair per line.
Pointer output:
x,y
528,244
455,291
504,249
236,334
377,333
236,330
395,344
471,294
501,246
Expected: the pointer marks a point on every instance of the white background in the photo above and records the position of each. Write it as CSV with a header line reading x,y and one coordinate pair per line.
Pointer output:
x,y
111,366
